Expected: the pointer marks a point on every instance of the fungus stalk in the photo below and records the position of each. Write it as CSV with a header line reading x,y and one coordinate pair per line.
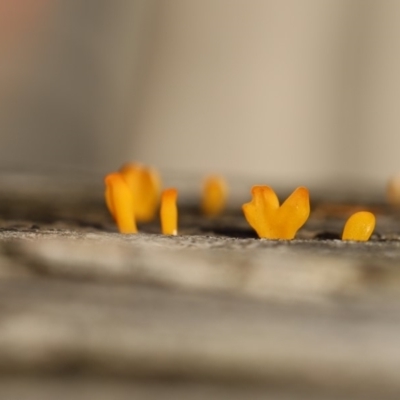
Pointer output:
x,y
120,203
169,212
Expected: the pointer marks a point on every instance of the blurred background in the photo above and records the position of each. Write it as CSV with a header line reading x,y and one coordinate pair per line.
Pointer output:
x,y
305,92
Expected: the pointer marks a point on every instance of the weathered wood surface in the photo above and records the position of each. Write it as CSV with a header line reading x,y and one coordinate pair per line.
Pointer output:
x,y
88,313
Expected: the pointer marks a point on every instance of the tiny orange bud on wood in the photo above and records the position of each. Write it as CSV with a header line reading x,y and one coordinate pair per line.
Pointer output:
x,y
359,226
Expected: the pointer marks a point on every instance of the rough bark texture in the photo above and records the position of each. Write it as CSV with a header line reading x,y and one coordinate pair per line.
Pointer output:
x,y
86,313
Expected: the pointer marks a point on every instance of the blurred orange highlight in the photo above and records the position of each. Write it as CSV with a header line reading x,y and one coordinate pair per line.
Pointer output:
x,y
214,196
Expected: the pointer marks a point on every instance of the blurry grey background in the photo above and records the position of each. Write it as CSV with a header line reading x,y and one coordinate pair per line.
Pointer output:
x,y
300,91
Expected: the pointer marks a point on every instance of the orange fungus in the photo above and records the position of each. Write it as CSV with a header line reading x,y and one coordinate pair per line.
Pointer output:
x,y
169,212
272,221
119,203
359,226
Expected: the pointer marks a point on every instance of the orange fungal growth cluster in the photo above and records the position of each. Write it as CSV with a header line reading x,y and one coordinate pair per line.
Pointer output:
x,y
169,212
214,196
359,226
120,203
272,221
133,194
145,186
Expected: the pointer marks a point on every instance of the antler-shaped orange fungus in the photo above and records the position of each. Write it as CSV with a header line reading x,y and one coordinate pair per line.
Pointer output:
x,y
272,221
120,203
214,196
169,212
145,187
359,226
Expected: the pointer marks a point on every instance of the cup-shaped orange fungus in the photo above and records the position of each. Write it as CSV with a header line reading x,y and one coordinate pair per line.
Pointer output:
x,y
214,196
169,212
272,221
120,203
359,226
145,186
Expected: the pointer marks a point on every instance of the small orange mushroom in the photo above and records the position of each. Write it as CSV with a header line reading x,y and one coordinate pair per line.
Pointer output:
x,y
119,202
214,196
145,186
359,226
169,212
272,221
